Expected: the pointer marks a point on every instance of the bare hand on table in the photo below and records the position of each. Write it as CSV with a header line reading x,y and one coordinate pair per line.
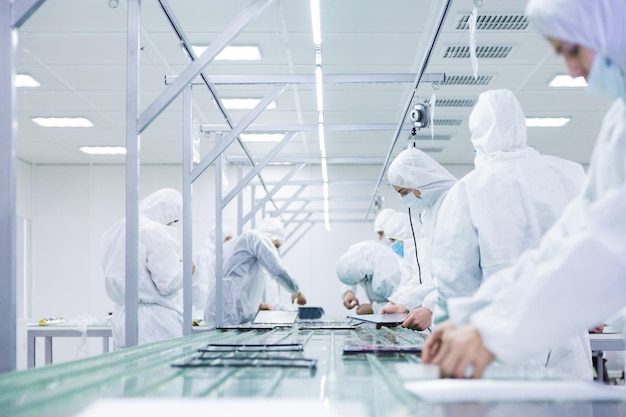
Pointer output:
x,y
299,297
455,350
418,319
350,301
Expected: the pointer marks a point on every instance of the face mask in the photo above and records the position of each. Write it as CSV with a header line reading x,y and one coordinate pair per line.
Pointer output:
x,y
413,202
606,78
398,248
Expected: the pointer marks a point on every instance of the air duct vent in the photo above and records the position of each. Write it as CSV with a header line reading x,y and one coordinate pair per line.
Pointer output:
x,y
481,51
467,80
495,22
448,122
455,102
430,150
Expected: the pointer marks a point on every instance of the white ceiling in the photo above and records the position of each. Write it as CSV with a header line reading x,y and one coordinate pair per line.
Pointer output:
x,y
76,49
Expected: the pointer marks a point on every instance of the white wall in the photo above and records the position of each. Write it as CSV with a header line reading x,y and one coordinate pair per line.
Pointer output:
x,y
70,206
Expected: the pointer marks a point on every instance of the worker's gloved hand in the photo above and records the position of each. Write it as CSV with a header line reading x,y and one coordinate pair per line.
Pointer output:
x,y
299,297
365,309
391,308
349,300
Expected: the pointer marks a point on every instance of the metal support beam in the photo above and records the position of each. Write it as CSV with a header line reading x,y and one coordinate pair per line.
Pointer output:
x,y
219,148
291,200
219,253
363,127
22,10
132,173
302,207
293,242
8,307
310,79
273,191
407,105
187,210
192,71
239,201
254,171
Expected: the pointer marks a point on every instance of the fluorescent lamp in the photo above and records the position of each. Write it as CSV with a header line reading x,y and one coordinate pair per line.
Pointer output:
x,y
244,103
62,121
324,171
262,137
103,150
567,81
547,121
25,80
233,53
318,88
322,140
280,163
315,22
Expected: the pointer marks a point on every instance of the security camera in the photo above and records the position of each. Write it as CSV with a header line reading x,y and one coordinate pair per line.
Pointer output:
x,y
420,115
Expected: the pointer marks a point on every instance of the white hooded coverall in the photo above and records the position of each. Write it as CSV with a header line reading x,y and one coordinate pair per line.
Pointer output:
x,y
160,308
499,210
576,278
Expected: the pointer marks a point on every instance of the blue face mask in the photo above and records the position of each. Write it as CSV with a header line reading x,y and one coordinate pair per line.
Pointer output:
x,y
416,203
398,248
606,78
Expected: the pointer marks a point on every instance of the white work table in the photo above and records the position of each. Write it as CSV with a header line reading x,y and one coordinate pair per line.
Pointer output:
x,y
61,330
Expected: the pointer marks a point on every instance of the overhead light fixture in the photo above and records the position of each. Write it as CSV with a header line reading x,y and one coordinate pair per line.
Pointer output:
x,y
244,103
62,121
316,22
280,163
25,80
547,121
103,150
262,137
567,81
233,53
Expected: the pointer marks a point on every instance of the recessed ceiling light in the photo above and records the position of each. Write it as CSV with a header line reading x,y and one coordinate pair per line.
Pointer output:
x,y
262,137
25,80
62,121
244,103
103,150
547,121
233,53
567,81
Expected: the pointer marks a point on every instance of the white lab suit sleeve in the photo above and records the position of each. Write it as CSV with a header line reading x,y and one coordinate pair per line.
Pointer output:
x,y
163,258
455,252
345,288
268,257
416,296
568,286
430,300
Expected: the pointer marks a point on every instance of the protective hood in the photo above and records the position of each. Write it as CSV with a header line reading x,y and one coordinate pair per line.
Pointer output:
x,y
414,169
381,219
596,24
163,206
398,227
354,265
272,227
226,232
498,127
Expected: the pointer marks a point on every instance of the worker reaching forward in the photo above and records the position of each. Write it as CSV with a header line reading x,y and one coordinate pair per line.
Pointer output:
x,y
160,280
244,282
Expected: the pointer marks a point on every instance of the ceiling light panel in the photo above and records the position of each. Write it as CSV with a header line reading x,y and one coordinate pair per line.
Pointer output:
x,y
547,121
233,53
486,51
495,22
25,80
103,150
62,121
564,80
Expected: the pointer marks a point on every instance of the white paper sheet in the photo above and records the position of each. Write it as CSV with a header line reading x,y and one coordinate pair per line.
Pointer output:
x,y
473,390
196,407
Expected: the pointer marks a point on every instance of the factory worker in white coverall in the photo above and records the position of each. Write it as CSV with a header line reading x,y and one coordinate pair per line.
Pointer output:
x,y
422,184
373,266
577,276
380,221
160,280
204,276
499,210
243,281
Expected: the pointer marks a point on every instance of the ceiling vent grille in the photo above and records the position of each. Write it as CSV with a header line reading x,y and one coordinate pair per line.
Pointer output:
x,y
429,150
455,102
448,122
481,51
495,22
467,80
429,137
